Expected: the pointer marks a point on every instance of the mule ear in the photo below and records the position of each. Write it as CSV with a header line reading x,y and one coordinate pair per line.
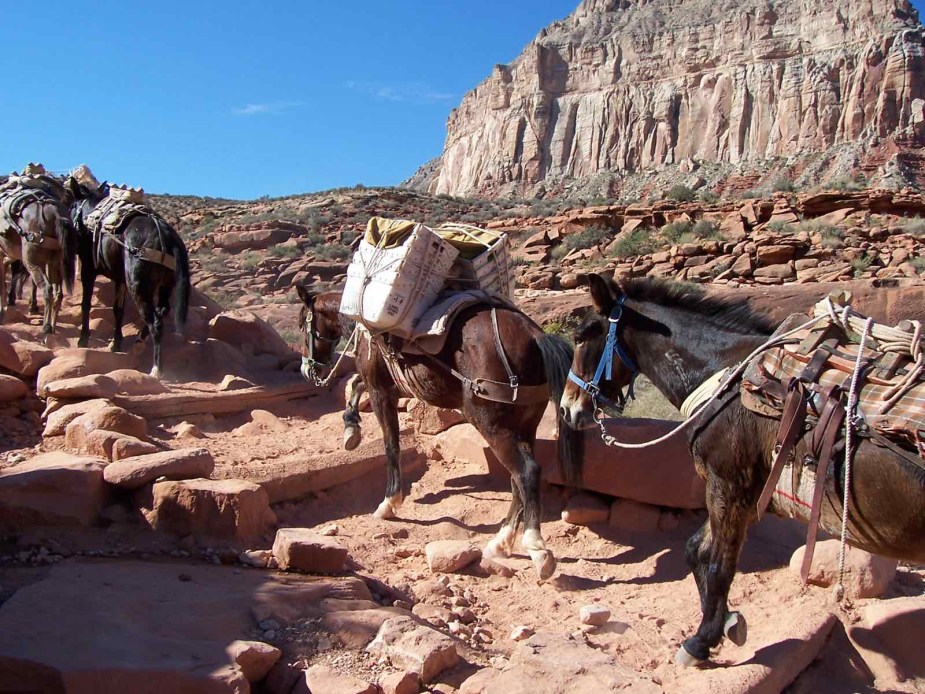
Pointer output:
x,y
601,294
304,294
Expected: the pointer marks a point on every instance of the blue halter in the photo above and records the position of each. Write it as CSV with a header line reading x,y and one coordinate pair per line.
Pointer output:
x,y
605,367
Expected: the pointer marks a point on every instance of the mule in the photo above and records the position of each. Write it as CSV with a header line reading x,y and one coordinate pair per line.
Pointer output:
x,y
117,257
677,337
18,278
44,240
539,362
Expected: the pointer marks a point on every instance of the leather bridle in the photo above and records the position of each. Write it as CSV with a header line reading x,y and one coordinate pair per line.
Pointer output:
x,y
612,348
310,366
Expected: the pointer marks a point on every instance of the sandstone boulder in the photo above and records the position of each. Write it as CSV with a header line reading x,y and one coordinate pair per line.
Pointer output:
x,y
21,356
110,445
405,644
11,388
306,550
430,420
183,463
109,418
586,509
57,421
321,678
627,514
81,387
893,630
400,683
50,490
244,328
594,615
449,556
232,510
866,575
254,658
131,382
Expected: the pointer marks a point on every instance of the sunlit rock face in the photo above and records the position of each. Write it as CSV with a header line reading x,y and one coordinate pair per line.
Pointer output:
x,y
623,86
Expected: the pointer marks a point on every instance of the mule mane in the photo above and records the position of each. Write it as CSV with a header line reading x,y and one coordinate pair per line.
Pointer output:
x,y
733,314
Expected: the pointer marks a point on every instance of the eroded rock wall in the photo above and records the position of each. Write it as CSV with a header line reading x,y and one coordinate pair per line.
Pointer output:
x,y
631,85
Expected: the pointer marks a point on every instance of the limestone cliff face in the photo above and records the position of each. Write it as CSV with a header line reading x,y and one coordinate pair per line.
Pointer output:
x,y
632,85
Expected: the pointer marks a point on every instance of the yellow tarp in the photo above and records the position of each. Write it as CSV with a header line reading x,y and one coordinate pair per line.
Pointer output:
x,y
470,241
388,233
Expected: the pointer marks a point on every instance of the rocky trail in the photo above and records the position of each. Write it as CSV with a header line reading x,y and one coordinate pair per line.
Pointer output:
x,y
208,532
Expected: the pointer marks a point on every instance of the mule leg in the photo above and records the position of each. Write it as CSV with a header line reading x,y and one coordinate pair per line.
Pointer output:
x,y
352,434
157,329
33,300
87,280
502,544
713,554
384,398
118,312
3,295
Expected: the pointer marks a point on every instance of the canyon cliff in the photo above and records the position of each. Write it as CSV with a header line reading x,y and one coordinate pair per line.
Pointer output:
x,y
624,88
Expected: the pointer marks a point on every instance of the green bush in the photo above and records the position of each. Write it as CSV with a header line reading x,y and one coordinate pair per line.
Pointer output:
x,y
861,264
681,193
783,185
674,231
559,252
705,229
918,263
332,252
637,242
285,251
751,194
915,226
251,259
709,197
586,238
850,183
781,227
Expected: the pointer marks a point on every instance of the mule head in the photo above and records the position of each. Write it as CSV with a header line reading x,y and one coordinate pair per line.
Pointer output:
x,y
602,373
319,324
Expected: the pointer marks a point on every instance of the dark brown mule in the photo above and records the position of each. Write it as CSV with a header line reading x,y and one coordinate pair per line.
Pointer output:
x,y
119,257
46,244
537,359
678,339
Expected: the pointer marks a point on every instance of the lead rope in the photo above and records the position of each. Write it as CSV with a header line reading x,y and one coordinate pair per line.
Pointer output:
x,y
322,382
733,376
849,430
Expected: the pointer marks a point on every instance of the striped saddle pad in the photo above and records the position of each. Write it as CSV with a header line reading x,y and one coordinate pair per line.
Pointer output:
x,y
891,388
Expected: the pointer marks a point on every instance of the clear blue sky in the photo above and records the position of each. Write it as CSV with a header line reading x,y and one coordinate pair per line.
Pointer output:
x,y
242,99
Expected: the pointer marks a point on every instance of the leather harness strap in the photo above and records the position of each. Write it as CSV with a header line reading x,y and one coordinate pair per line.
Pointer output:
x,y
791,428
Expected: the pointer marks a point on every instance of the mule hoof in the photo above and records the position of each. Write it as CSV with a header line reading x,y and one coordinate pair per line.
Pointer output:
x,y
685,659
736,628
156,373
545,564
352,438
385,511
34,311
83,342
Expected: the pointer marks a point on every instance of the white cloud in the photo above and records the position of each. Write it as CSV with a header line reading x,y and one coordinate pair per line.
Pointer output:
x,y
400,91
266,109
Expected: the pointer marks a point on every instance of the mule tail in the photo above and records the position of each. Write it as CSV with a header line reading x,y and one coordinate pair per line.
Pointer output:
x,y
67,236
182,283
557,360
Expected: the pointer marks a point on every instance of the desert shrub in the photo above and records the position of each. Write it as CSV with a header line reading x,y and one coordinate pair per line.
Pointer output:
x,y
332,252
586,238
675,230
559,252
223,298
637,242
783,185
847,183
251,258
781,227
915,226
316,239
861,264
918,263
751,194
681,193
705,229
563,327
285,251
709,197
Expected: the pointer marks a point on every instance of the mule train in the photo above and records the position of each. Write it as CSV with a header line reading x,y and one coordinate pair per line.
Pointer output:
x,y
808,421
47,222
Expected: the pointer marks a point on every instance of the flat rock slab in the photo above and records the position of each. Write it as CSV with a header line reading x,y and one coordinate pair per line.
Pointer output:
x,y
51,490
297,476
552,663
414,647
137,471
116,627
233,510
765,666
91,386
305,550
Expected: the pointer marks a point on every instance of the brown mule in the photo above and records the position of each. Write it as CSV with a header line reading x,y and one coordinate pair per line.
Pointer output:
x,y
678,338
540,363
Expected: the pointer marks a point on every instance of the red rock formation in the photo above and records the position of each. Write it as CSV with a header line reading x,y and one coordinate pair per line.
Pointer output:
x,y
630,85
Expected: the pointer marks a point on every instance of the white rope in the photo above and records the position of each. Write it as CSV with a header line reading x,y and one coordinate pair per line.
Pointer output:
x,y
849,430
321,383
